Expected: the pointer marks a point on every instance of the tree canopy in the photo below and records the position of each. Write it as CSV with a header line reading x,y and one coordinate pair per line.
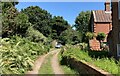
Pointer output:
x,y
82,21
39,18
9,12
14,22
35,35
36,24
70,36
22,24
59,25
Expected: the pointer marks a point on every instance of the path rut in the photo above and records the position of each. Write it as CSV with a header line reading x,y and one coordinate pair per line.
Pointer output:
x,y
54,63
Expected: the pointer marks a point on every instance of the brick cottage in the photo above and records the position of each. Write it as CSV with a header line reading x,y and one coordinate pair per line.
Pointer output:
x,y
100,21
114,35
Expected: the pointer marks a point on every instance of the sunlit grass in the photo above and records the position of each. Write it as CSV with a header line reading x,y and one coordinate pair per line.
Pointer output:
x,y
108,64
66,69
46,66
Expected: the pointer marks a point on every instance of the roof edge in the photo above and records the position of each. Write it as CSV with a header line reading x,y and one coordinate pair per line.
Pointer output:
x,y
94,16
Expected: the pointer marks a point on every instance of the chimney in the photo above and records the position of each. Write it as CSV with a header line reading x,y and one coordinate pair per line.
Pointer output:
x,y
107,6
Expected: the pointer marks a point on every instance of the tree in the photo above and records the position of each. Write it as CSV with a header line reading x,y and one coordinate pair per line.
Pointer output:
x,y
101,37
8,22
58,25
8,5
35,35
14,22
22,24
82,22
39,18
70,36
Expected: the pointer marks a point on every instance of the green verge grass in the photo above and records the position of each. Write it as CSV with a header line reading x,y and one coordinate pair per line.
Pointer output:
x,y
18,54
46,66
66,69
108,64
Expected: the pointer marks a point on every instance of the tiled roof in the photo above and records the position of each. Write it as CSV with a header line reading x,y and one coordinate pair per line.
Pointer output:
x,y
102,16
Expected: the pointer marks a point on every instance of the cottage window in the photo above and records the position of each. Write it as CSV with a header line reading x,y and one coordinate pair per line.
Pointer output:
x,y
118,49
119,9
118,46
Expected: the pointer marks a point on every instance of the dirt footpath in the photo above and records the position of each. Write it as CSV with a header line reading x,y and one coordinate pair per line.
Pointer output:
x,y
54,62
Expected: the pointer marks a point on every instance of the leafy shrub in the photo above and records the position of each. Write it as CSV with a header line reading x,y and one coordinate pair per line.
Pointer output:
x,y
89,35
101,36
18,54
98,54
35,35
83,46
70,36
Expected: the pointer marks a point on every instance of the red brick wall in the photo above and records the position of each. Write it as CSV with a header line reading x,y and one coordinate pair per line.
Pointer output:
x,y
94,44
102,27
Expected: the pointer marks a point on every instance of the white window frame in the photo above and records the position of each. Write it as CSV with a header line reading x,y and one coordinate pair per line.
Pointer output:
x,y
118,46
118,50
119,9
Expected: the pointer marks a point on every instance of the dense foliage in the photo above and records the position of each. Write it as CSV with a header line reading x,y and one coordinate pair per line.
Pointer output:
x,y
28,33
42,21
18,54
58,26
89,35
107,64
101,36
13,22
82,22
35,35
22,24
8,23
70,36
39,18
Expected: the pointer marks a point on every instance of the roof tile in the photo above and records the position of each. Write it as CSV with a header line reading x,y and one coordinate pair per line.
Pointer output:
x,y
102,16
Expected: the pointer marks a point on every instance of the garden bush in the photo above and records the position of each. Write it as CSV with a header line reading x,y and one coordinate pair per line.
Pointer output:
x,y
18,54
83,46
34,35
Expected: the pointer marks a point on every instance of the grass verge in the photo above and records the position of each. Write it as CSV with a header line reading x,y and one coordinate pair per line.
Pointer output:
x,y
108,64
46,66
